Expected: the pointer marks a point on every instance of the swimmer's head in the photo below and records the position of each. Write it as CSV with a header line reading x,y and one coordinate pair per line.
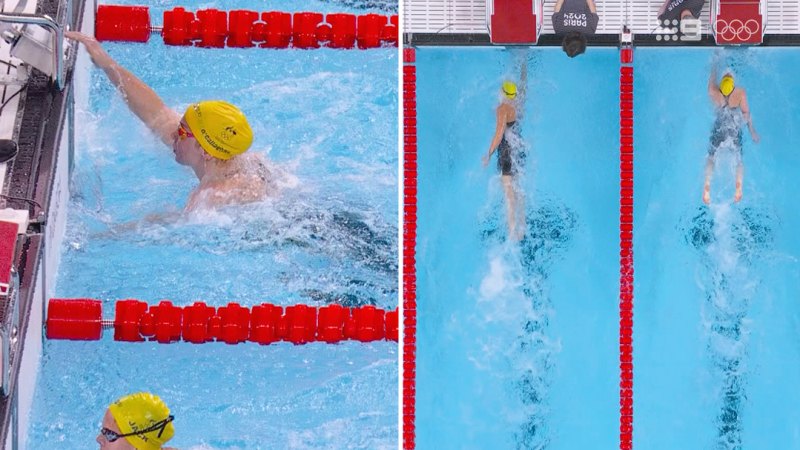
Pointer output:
x,y
220,128
142,419
509,90
726,85
574,44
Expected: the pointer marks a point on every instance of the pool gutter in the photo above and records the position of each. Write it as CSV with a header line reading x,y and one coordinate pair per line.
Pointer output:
x,y
597,40
38,178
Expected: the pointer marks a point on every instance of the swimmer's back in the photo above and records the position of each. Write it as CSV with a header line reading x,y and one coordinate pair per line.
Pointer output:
x,y
247,180
737,99
254,178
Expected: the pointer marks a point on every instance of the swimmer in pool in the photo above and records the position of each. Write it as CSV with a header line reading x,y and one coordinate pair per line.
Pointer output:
x,y
510,152
732,112
211,137
139,421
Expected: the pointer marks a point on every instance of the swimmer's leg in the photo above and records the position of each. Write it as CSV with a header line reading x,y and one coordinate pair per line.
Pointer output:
x,y
739,178
707,184
511,206
521,226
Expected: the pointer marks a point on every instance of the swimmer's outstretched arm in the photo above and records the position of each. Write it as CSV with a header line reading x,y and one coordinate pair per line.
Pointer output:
x,y
135,226
713,89
500,128
141,99
746,112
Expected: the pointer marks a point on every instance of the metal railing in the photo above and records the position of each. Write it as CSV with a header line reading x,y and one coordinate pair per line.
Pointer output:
x,y
56,34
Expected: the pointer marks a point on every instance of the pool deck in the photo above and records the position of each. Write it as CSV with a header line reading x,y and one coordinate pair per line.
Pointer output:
x,y
38,179
445,22
9,116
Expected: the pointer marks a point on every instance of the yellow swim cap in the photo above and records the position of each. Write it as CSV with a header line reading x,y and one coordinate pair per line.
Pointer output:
x,y
509,89
141,411
220,128
726,85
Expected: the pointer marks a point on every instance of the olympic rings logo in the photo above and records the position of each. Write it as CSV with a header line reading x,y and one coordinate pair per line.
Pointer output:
x,y
736,29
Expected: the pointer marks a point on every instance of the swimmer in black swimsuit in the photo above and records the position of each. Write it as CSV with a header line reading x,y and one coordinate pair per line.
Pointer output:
x,y
509,154
509,146
732,112
727,131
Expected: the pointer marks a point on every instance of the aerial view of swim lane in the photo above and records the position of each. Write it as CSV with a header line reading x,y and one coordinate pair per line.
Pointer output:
x,y
568,293
206,253
517,180
716,317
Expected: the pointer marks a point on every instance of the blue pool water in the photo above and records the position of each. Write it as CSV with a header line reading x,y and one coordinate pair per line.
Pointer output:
x,y
517,342
327,121
716,320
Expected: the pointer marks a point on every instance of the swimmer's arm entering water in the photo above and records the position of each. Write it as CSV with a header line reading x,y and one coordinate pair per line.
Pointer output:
x,y
500,128
141,99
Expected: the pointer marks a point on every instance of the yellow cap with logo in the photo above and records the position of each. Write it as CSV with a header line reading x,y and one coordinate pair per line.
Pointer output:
x,y
220,128
143,411
726,85
509,89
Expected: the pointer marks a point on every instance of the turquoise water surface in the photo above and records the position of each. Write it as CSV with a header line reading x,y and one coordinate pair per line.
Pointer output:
x,y
327,122
716,319
517,341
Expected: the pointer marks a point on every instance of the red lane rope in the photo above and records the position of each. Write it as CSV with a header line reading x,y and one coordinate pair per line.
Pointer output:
x,y
136,321
213,28
626,249
409,245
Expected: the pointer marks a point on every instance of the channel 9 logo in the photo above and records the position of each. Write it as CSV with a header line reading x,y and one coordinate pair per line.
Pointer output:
x,y
686,30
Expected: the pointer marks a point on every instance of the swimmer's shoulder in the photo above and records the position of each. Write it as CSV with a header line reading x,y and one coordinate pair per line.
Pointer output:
x,y
165,124
506,111
254,177
228,191
741,98
255,166
252,157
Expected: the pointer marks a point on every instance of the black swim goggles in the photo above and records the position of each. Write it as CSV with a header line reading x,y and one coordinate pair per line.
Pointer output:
x,y
161,425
